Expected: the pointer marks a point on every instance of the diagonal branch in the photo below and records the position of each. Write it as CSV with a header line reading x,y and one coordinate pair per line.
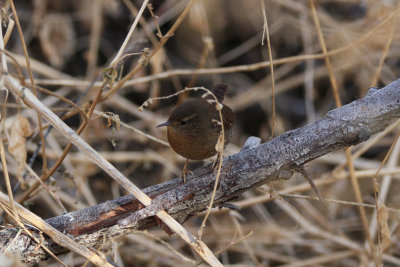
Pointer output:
x,y
254,165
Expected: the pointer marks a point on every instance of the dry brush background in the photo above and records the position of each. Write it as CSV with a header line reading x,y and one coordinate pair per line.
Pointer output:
x,y
71,43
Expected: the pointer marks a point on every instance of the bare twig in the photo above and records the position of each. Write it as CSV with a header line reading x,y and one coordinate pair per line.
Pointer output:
x,y
129,35
271,66
336,94
28,65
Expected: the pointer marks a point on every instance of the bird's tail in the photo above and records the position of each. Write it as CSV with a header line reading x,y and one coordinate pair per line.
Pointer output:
x,y
219,91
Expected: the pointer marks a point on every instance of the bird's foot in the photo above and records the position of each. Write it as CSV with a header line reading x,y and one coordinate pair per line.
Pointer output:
x,y
216,162
184,173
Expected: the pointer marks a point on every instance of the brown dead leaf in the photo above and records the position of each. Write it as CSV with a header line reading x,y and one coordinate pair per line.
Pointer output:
x,y
20,129
383,216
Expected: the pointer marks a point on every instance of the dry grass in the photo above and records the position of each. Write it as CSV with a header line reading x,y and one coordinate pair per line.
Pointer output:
x,y
324,54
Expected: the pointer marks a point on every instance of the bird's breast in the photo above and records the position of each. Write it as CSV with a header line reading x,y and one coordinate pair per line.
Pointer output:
x,y
192,147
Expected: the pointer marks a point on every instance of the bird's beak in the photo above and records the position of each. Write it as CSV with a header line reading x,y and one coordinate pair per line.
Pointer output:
x,y
167,123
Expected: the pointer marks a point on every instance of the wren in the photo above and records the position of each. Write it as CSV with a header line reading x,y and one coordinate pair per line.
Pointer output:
x,y
193,128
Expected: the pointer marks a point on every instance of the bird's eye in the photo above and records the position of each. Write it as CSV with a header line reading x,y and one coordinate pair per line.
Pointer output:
x,y
185,120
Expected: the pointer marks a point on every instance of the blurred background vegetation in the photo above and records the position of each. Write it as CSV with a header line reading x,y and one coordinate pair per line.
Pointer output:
x,y
71,42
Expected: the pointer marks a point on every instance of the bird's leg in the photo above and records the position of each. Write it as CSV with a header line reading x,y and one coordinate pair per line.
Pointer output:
x,y
216,162
185,171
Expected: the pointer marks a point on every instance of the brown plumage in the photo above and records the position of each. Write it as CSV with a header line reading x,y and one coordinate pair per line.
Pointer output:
x,y
192,128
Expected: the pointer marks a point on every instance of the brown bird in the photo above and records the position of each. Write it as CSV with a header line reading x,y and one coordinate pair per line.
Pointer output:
x,y
193,128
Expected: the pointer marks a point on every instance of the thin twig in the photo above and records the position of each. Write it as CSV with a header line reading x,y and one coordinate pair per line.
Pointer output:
x,y
7,180
28,64
335,89
25,230
271,65
163,40
129,35
376,187
48,174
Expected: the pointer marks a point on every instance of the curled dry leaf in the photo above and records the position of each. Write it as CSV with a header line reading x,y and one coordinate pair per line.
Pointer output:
x,y
109,76
383,225
114,121
57,38
145,57
20,129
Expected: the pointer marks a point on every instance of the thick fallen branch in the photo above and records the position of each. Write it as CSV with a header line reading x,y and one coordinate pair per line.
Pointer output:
x,y
253,166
